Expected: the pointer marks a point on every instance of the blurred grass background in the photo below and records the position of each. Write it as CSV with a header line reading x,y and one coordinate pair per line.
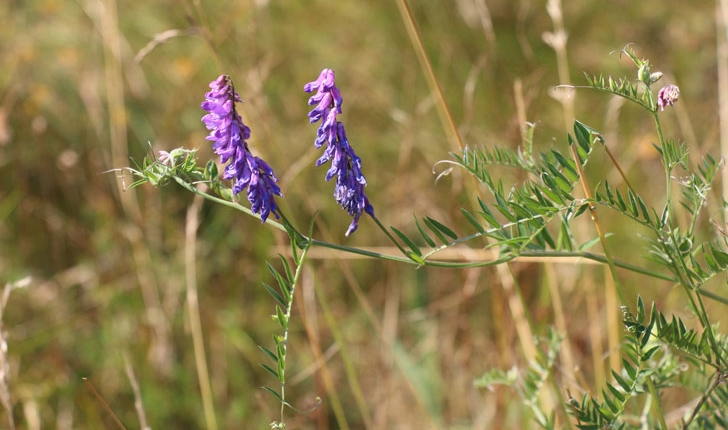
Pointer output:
x,y
81,91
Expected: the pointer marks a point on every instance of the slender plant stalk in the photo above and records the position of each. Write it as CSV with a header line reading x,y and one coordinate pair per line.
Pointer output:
x,y
656,404
108,25
613,269
718,378
558,389
284,341
721,17
718,350
521,319
687,283
435,263
696,302
193,310
443,109
668,179
618,167
614,324
5,398
389,235
596,334
597,224
138,405
558,43
678,260
105,405
560,321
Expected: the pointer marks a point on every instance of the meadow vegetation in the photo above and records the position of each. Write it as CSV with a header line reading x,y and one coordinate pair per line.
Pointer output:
x,y
127,304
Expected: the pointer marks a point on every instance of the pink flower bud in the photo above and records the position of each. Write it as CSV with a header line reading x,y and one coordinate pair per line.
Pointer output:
x,y
667,96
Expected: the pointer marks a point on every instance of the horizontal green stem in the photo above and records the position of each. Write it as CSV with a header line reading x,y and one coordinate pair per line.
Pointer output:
x,y
449,264
713,296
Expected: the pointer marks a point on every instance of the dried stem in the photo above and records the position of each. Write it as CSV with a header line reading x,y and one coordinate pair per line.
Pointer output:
x,y
138,405
193,309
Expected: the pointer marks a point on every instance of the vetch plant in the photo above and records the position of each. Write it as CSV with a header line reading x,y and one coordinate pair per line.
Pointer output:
x,y
532,218
345,164
230,135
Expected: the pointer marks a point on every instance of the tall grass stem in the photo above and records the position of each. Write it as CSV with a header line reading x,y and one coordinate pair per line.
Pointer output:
x,y
443,109
193,308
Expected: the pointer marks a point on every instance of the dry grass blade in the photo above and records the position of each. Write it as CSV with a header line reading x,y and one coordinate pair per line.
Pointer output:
x,y
105,405
193,308
138,405
4,365
162,38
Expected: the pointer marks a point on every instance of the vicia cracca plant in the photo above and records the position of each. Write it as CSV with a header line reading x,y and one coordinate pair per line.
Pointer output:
x,y
230,135
532,218
345,164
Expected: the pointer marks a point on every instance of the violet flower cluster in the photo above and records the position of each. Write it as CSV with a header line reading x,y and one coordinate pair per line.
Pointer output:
x,y
345,164
230,134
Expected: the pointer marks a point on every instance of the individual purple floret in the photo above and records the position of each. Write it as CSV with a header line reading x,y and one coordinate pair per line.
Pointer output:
x,y
229,133
345,164
667,96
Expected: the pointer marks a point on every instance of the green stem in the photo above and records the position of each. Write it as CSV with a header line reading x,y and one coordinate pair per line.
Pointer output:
x,y
719,377
284,341
389,235
597,224
438,263
668,170
696,302
713,296
656,405
685,280
661,142
606,90
717,350
297,237
190,187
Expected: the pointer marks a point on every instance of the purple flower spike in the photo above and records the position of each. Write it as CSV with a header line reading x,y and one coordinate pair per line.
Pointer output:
x,y
345,164
667,96
229,133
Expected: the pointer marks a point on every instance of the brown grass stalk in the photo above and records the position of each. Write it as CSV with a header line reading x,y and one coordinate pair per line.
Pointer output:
x,y
193,309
